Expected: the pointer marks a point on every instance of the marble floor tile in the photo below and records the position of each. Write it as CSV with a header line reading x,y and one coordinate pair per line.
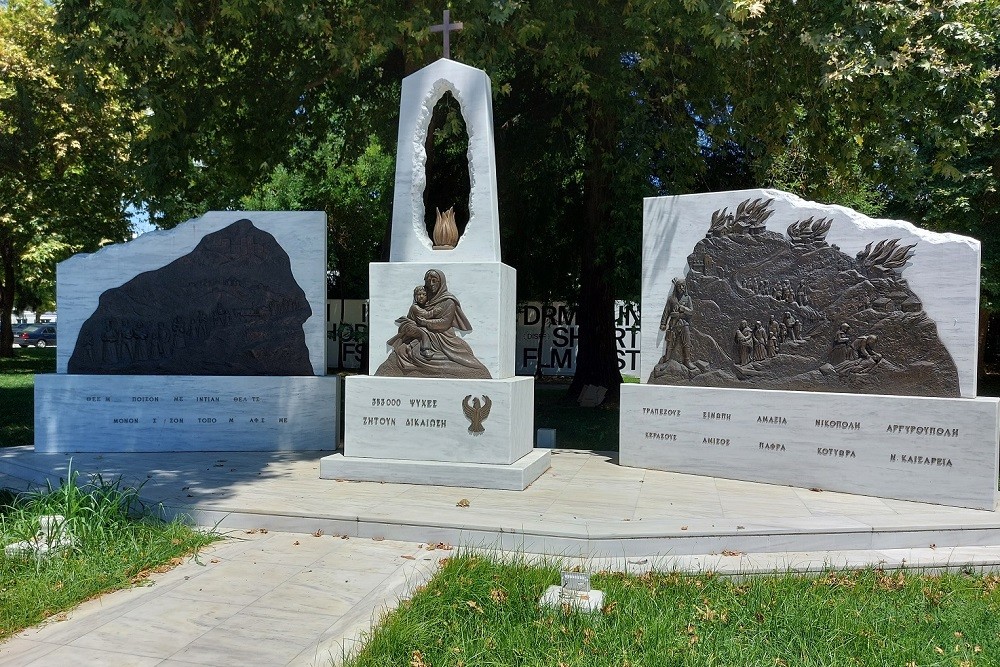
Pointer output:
x,y
17,651
243,646
306,595
85,657
159,628
237,582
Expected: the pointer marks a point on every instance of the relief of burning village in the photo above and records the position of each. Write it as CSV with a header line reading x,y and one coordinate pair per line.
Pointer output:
x,y
763,310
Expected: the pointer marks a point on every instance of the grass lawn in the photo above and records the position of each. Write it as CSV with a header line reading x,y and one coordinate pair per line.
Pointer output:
x,y
116,545
479,612
17,393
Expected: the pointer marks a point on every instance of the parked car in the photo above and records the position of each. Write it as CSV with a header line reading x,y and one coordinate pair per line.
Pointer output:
x,y
37,335
18,327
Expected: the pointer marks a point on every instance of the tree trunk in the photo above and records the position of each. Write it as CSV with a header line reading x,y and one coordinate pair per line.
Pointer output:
x,y
6,300
597,350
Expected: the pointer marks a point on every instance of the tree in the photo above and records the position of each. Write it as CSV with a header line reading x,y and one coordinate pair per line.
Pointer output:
x,y
619,101
63,156
355,191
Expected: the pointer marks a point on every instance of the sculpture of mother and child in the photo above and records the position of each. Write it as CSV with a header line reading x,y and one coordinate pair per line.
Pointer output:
x,y
427,344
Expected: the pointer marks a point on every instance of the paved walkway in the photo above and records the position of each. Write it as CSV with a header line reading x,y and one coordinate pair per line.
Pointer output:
x,y
584,505
287,597
256,599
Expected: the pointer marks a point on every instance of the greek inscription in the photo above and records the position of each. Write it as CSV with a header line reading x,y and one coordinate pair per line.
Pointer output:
x,y
837,453
838,423
206,420
771,419
717,416
207,399
386,402
125,420
145,399
771,446
423,403
909,429
661,412
427,423
939,461
651,435
378,421
724,442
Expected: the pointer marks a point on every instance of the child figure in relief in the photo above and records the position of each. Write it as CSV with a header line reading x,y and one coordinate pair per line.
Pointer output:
x,y
409,330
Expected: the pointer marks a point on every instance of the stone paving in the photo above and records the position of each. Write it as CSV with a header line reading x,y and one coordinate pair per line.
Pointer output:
x,y
258,598
282,596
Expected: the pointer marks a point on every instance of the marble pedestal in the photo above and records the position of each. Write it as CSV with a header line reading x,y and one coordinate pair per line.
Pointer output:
x,y
434,431
937,450
171,413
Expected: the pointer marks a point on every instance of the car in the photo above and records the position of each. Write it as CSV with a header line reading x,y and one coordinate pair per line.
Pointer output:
x,y
37,335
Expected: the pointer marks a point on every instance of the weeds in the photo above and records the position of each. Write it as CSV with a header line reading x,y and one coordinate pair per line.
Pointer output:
x,y
477,611
116,543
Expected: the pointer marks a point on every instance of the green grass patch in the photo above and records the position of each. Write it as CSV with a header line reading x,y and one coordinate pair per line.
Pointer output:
x,y
117,544
17,393
479,612
576,427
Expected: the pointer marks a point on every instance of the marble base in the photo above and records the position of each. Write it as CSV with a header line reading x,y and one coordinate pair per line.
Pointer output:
x,y
169,413
510,477
936,450
423,419
555,597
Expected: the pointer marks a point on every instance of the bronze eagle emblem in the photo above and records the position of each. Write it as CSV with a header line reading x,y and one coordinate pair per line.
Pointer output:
x,y
477,412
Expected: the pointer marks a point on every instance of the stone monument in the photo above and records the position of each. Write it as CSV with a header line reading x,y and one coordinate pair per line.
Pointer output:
x,y
443,405
207,337
797,343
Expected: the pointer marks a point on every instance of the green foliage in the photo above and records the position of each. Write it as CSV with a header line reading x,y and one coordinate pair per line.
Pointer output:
x,y
354,189
64,140
596,106
477,610
116,544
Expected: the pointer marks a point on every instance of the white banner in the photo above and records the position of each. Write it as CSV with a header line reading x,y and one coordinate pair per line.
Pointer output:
x,y
559,338
346,333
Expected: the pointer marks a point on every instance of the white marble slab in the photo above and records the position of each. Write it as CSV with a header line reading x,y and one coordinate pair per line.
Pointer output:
x,y
943,271
486,290
170,413
424,419
81,279
421,91
937,450
510,477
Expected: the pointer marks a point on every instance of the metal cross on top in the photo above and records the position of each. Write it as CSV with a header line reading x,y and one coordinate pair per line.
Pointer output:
x,y
446,27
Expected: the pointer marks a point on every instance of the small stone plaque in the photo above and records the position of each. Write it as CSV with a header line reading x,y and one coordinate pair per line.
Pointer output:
x,y
575,581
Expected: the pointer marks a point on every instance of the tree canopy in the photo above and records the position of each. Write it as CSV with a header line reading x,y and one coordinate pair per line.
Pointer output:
x,y
888,104
65,138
